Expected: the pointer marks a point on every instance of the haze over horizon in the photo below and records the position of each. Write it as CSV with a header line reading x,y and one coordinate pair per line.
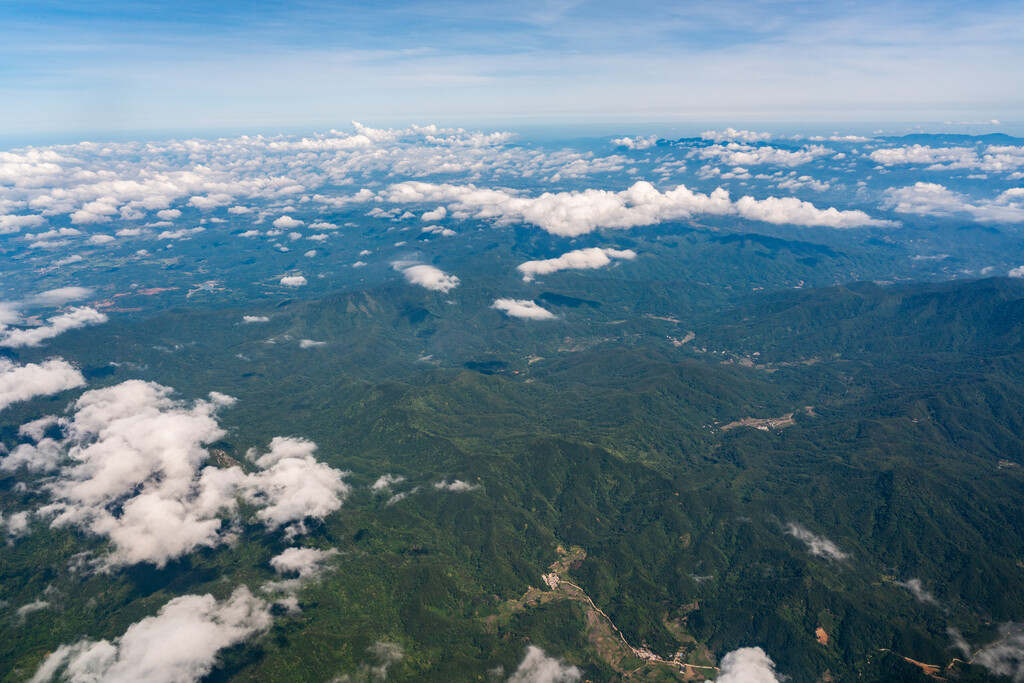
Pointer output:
x,y
115,66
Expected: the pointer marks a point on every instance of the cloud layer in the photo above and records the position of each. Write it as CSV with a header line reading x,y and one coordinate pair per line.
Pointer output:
x,y
570,214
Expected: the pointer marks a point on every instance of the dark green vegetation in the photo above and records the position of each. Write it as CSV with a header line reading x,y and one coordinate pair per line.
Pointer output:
x,y
597,431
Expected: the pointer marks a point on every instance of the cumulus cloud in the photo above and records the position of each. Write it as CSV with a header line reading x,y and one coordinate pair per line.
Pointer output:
x,y
310,343
436,215
747,665
211,201
22,382
538,667
523,308
733,134
570,214
293,281
180,643
180,234
594,257
816,545
37,428
292,486
737,154
994,159
17,525
917,589
636,143
249,319
933,199
438,230
11,224
130,467
426,276
457,485
306,562
34,336
1016,272
287,223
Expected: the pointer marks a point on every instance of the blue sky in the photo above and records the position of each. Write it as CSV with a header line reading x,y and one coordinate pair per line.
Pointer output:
x,y
105,66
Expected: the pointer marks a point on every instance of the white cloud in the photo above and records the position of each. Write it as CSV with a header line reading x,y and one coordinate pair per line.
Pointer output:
x,y
10,224
637,143
17,525
385,482
212,201
50,234
736,154
168,214
733,134
438,230
101,239
34,336
457,486
523,308
255,319
179,234
287,223
917,589
292,486
437,214
310,344
31,607
1005,657
306,562
22,382
571,214
426,276
994,159
538,667
1016,272
932,199
594,257
180,643
131,469
293,281
747,665
61,295
816,545
36,428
